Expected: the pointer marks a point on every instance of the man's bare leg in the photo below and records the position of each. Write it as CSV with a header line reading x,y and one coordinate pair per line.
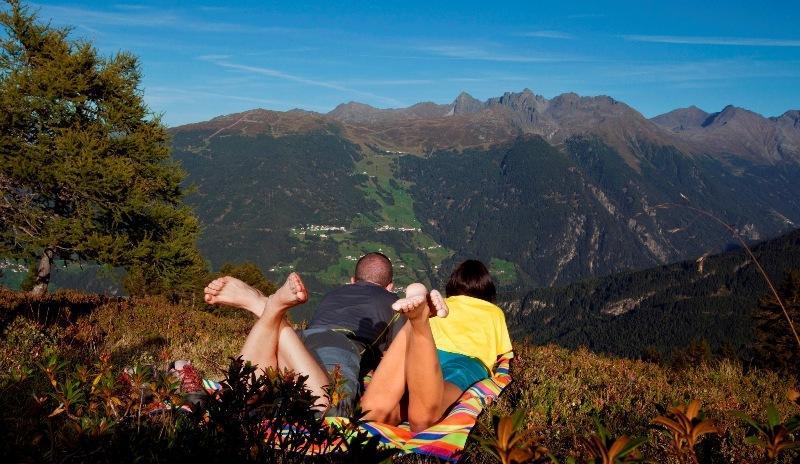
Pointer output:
x,y
429,395
382,398
261,345
293,355
272,343
230,291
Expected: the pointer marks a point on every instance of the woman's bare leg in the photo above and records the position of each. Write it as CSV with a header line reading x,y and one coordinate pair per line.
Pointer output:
x,y
429,395
382,398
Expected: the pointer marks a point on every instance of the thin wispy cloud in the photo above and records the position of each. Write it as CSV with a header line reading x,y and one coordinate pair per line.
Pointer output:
x,y
214,9
82,16
549,35
288,50
129,7
462,52
299,79
147,18
427,81
586,15
728,41
694,71
213,57
387,82
175,93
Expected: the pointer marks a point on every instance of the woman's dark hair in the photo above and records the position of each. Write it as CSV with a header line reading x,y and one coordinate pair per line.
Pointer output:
x,y
471,278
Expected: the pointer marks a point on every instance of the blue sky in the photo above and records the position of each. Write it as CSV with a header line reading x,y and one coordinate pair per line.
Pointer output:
x,y
202,59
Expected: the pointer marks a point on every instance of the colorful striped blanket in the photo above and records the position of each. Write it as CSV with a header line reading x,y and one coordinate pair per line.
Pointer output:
x,y
447,438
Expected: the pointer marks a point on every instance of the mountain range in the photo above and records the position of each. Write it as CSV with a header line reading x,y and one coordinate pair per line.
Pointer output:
x,y
548,191
730,132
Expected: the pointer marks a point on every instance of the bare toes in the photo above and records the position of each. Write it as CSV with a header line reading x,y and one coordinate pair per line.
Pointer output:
x,y
439,304
405,305
297,287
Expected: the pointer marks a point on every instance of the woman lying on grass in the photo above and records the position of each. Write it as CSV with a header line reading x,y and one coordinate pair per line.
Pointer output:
x,y
433,360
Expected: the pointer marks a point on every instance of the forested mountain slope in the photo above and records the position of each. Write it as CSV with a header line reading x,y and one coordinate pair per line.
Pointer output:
x,y
547,191
664,307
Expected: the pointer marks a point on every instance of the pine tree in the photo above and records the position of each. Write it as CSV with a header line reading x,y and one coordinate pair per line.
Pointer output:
x,y
774,344
85,168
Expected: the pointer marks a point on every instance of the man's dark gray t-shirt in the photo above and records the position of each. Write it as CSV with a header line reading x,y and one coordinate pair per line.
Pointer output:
x,y
363,309
343,334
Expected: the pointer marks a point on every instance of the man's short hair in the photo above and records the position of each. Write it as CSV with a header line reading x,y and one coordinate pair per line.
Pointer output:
x,y
374,267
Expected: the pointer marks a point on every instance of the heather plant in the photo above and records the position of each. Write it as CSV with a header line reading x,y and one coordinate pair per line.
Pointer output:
x,y
603,448
774,436
685,426
99,413
560,391
510,445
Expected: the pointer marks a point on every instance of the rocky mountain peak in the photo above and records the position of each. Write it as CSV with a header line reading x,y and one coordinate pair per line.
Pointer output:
x,y
469,122
791,118
465,103
681,119
525,101
352,111
732,113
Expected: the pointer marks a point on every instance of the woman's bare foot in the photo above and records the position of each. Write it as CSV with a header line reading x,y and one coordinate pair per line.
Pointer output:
x,y
416,289
292,293
230,291
435,298
414,308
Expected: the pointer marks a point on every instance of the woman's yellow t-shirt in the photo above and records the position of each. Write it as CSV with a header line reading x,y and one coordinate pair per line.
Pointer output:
x,y
474,327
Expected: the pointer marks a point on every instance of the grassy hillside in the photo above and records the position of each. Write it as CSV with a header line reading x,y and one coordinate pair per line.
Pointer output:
x,y
559,390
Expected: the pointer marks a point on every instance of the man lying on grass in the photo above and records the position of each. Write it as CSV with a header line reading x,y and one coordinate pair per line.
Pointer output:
x,y
348,332
427,367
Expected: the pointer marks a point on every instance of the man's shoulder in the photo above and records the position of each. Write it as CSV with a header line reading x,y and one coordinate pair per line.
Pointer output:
x,y
357,295
362,288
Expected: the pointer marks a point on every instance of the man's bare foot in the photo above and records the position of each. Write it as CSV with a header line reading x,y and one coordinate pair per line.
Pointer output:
x,y
292,293
230,291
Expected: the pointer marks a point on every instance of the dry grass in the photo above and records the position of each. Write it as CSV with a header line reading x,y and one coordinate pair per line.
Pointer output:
x,y
139,330
559,390
153,329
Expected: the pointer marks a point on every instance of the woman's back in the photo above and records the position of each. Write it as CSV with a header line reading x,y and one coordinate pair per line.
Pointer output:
x,y
474,328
